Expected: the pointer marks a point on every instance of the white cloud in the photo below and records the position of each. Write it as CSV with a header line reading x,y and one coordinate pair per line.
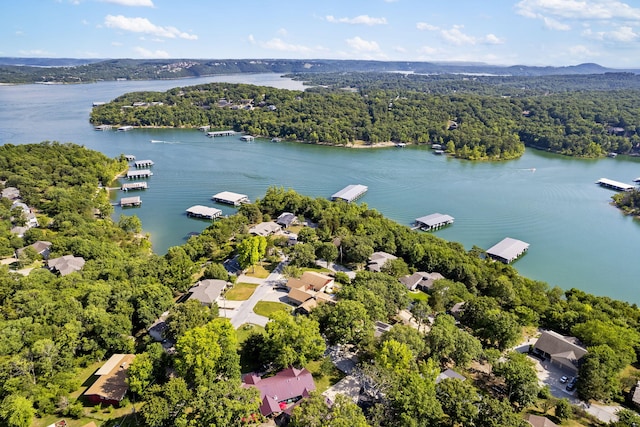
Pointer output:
x,y
424,26
457,37
623,34
35,52
361,19
493,39
251,39
279,44
554,24
578,9
362,45
145,53
144,3
143,25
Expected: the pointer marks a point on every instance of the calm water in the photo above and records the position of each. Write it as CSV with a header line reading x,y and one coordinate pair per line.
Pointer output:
x,y
577,239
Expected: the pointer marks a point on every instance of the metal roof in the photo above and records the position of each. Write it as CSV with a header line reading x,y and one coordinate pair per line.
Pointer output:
x,y
200,210
230,196
508,249
615,184
434,219
350,192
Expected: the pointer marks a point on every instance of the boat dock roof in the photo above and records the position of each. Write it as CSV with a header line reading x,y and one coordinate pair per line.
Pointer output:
x,y
435,220
130,201
609,183
350,193
230,198
221,133
141,173
129,157
125,128
200,211
508,250
134,186
143,163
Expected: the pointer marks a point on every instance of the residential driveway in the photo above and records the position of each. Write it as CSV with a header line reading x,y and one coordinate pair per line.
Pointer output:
x,y
550,375
244,312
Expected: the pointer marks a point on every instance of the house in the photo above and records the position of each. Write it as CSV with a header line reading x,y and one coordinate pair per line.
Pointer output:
x,y
111,385
420,280
297,296
11,193
457,310
310,280
286,219
310,304
449,374
41,247
265,229
377,260
66,264
635,395
281,390
207,291
538,421
19,231
563,352
380,328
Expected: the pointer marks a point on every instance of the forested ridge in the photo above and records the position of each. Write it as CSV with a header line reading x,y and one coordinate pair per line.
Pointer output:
x,y
54,326
470,119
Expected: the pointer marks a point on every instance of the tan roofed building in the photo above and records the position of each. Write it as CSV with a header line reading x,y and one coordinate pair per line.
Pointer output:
x,y
111,386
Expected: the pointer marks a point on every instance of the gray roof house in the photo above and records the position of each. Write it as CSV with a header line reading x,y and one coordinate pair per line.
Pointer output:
x,y
265,229
420,280
66,264
563,352
286,219
207,291
377,260
11,193
41,247
449,374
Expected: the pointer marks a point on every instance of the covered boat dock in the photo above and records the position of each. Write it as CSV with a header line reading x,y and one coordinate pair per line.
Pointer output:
x,y
199,211
433,221
143,163
508,250
350,193
221,133
130,201
134,186
229,198
615,185
137,174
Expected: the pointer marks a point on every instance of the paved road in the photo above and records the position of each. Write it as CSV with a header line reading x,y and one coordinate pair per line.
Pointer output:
x,y
244,313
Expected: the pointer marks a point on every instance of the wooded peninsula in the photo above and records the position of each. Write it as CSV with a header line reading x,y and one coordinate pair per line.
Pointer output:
x,y
59,326
475,118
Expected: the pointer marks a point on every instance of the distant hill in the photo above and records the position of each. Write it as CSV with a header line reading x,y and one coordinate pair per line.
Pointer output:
x,y
67,70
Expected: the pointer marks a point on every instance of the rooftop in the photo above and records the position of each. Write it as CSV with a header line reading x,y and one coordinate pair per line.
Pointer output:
x,y
288,384
508,249
207,291
112,384
350,192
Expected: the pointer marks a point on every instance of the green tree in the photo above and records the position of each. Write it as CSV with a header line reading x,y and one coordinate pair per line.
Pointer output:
x,y
216,271
519,377
140,373
251,250
347,323
164,402
190,314
17,411
208,353
394,356
130,224
327,251
314,412
564,411
459,400
292,341
598,374
180,269
498,413
447,343
413,398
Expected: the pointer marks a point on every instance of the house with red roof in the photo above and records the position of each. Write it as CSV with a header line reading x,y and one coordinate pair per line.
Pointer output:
x,y
281,390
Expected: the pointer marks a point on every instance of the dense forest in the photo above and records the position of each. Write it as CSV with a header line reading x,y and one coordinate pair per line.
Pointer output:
x,y
53,327
55,70
628,201
466,124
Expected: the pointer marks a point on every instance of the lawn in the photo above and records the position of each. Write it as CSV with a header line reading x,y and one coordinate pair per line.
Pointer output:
x,y
418,296
258,271
240,291
325,374
244,331
267,308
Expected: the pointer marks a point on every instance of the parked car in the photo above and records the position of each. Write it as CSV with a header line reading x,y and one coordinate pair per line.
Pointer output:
x,y
572,384
564,379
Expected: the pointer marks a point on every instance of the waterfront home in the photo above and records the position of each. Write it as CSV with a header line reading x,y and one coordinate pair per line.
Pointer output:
x,y
420,280
41,247
562,351
265,229
66,264
207,291
377,260
286,219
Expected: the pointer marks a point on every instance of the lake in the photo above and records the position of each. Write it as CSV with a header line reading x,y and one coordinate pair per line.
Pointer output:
x,y
552,202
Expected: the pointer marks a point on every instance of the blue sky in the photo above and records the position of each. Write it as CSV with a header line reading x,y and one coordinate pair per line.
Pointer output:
x,y
504,32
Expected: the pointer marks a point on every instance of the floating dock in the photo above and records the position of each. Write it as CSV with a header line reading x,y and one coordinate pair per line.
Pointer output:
x,y
615,185
221,133
199,211
229,198
350,193
103,127
433,221
130,201
138,174
134,186
125,128
508,250
129,157
204,128
436,147
247,138
143,163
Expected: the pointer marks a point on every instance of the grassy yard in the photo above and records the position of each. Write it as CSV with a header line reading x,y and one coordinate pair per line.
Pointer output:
x,y
247,329
240,291
418,296
267,308
258,271
325,374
